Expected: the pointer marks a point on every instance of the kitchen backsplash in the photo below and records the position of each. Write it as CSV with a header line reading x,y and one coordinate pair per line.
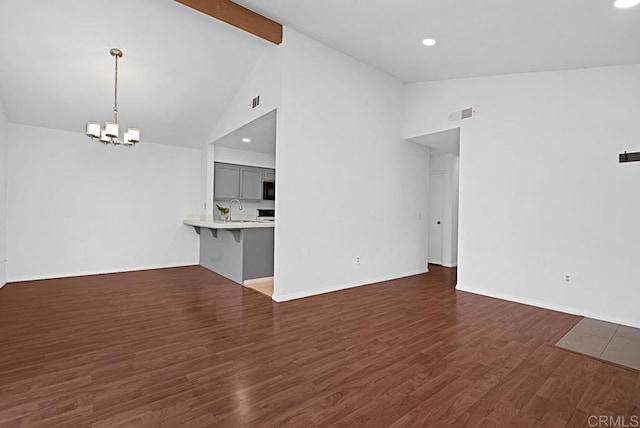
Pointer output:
x,y
248,208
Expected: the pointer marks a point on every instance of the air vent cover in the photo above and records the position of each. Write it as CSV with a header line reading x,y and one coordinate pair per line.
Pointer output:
x,y
462,114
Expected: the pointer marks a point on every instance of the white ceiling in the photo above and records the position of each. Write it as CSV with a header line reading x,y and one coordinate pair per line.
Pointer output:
x,y
261,132
181,68
179,72
475,37
444,141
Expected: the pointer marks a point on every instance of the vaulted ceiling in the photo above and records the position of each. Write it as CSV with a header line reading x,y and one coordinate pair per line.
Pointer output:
x,y
475,37
181,68
179,72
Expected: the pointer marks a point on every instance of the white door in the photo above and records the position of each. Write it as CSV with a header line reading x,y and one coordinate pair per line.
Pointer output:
x,y
436,203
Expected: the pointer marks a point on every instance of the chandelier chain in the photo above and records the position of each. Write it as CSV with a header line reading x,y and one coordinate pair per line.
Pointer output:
x,y
115,95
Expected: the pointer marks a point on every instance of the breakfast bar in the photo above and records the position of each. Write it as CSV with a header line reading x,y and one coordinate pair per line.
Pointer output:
x,y
238,250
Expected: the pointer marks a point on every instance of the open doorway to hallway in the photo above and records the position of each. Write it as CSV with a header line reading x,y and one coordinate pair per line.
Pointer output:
x,y
443,196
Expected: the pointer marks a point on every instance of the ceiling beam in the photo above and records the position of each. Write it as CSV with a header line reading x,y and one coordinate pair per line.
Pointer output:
x,y
240,17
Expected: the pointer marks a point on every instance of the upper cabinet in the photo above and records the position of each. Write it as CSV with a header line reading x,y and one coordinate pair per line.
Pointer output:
x,y
226,181
239,181
250,183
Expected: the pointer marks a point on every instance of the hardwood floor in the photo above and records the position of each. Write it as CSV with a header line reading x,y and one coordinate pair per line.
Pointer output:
x,y
187,347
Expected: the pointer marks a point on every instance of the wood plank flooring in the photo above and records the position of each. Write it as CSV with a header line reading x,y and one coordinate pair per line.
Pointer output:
x,y
186,347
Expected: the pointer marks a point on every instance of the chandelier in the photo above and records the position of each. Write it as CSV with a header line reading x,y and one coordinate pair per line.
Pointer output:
x,y
110,133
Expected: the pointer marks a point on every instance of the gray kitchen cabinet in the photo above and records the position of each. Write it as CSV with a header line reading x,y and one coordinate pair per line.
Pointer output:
x,y
226,182
239,181
250,183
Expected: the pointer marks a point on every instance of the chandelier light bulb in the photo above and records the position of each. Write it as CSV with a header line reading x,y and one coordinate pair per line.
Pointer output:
x,y
134,135
93,130
111,129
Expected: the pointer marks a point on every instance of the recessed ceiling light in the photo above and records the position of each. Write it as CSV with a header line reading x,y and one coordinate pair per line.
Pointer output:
x,y
431,42
246,140
624,4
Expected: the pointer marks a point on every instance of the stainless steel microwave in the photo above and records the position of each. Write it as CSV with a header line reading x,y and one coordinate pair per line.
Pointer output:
x,y
269,190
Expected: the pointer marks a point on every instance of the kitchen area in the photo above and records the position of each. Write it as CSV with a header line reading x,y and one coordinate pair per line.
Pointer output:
x,y
237,241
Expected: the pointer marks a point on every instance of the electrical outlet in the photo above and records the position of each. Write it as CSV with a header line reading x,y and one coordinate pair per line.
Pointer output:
x,y
357,260
566,279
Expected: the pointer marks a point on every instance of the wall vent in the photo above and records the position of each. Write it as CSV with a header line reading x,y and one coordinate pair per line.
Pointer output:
x,y
462,114
255,102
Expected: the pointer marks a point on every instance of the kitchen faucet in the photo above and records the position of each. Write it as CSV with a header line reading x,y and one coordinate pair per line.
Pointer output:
x,y
231,205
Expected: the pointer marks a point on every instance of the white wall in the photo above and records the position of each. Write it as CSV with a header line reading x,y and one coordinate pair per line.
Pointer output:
x,y
4,145
348,185
541,189
447,164
76,207
264,80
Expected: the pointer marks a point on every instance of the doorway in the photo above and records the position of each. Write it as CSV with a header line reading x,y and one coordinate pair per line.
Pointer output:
x,y
441,241
436,212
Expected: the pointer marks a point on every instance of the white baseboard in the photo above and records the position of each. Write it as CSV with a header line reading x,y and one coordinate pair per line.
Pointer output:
x,y
25,278
330,289
546,305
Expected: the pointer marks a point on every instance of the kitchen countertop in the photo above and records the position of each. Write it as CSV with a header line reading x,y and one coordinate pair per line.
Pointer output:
x,y
211,223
